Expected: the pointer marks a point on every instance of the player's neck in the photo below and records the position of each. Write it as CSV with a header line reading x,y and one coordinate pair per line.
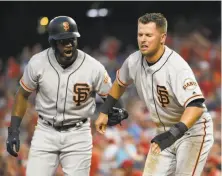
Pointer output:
x,y
154,58
67,64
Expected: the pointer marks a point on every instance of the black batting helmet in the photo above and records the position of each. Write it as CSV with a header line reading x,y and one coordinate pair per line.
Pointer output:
x,y
62,27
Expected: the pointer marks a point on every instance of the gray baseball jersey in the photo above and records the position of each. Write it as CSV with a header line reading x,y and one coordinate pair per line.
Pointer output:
x,y
65,95
167,87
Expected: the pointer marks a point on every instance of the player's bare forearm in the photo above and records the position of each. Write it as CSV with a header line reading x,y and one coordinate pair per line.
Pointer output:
x,y
166,139
191,115
101,123
117,90
21,102
115,93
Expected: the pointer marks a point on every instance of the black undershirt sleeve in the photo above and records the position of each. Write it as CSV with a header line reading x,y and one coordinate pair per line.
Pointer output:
x,y
196,103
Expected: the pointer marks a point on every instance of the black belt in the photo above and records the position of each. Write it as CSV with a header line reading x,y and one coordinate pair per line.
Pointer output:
x,y
64,127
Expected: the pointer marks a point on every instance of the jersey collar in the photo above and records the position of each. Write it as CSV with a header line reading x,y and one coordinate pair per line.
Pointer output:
x,y
72,67
160,62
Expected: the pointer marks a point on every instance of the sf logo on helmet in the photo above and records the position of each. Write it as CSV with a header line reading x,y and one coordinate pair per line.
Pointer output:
x,y
65,26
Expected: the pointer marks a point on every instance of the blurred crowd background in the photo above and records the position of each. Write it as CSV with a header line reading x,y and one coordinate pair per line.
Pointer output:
x,y
194,32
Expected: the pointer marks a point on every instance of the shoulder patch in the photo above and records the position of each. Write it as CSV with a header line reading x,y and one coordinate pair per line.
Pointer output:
x,y
106,78
189,84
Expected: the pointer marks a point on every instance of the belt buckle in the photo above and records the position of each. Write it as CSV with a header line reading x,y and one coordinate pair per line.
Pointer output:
x,y
79,124
58,128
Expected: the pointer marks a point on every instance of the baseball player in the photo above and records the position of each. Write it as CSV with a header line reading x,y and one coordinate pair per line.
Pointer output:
x,y
168,86
66,81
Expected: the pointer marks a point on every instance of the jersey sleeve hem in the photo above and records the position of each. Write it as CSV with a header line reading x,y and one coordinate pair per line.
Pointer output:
x,y
121,83
192,98
102,95
24,86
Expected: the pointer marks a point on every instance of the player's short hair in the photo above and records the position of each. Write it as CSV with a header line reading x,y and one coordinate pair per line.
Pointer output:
x,y
158,18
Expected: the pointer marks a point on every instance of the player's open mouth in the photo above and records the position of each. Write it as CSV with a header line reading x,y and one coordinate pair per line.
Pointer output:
x,y
144,47
68,52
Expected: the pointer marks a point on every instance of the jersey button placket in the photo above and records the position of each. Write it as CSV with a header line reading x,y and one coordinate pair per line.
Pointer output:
x,y
62,91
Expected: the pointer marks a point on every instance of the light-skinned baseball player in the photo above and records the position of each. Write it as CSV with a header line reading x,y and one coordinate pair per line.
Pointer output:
x,y
166,83
66,81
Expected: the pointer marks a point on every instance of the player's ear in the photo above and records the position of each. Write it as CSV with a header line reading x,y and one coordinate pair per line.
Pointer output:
x,y
163,38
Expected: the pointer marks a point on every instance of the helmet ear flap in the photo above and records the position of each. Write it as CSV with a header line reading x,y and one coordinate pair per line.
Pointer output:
x,y
52,43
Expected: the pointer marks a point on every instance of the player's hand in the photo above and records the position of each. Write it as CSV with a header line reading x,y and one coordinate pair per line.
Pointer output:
x,y
155,149
101,123
167,138
163,140
13,142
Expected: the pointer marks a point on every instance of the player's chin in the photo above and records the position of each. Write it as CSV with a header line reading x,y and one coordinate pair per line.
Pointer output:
x,y
144,52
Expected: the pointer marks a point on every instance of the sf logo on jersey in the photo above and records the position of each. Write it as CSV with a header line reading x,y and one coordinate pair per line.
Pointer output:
x,y
163,95
81,92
